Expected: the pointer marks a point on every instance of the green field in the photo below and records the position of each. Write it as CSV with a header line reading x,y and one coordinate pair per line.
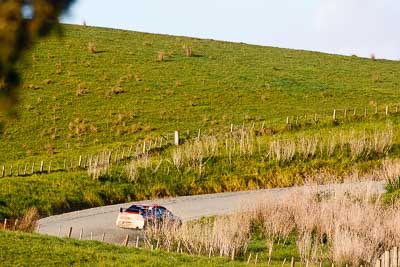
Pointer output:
x,y
22,249
67,105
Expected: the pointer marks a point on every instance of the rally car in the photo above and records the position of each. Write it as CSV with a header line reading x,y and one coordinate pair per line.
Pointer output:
x,y
139,216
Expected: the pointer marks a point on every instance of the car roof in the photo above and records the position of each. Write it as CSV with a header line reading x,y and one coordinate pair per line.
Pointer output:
x,y
146,206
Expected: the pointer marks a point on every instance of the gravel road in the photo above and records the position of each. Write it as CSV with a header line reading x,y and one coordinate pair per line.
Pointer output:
x,y
94,222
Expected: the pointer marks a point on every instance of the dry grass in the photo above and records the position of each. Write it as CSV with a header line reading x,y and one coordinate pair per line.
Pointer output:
x,y
345,226
81,90
189,51
220,236
98,165
28,222
161,56
92,47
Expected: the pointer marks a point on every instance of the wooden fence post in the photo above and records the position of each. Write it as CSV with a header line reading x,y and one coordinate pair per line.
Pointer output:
x,y
256,260
70,232
144,147
176,138
103,236
387,110
26,166
365,112
334,115
3,169
292,262
50,166
249,258
81,234
130,151
41,166
233,254
137,241
395,257
126,241
387,259
5,224
33,168
80,161
91,235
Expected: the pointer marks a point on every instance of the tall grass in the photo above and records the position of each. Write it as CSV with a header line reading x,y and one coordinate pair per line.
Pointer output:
x,y
347,226
219,236
195,154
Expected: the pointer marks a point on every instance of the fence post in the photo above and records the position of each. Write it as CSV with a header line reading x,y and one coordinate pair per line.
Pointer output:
x,y
233,254
334,115
365,112
130,151
80,234
26,166
126,241
80,161
5,224
387,110
292,262
3,169
249,258
395,257
11,169
70,232
176,138
103,236
50,166
387,259
137,241
41,166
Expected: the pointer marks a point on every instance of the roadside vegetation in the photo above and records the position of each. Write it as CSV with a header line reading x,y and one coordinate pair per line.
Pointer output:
x,y
343,226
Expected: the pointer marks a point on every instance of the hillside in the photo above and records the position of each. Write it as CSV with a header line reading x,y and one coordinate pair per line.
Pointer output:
x,y
68,104
95,94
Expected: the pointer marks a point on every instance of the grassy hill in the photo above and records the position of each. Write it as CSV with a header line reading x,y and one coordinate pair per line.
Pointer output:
x,y
23,249
68,105
102,90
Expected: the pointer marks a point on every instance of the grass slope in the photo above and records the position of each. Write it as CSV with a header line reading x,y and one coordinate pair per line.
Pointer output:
x,y
222,83
21,249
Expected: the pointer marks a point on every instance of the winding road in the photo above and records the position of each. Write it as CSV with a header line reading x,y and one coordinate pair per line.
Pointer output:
x,y
92,223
